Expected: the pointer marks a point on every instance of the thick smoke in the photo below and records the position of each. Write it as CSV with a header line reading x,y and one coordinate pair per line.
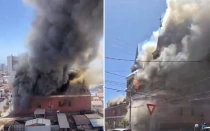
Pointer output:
x,y
183,37
116,101
65,35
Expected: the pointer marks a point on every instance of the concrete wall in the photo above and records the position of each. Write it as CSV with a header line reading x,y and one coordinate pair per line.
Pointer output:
x,y
62,103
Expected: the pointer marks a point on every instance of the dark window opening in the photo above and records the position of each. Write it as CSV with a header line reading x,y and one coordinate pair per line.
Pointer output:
x,y
69,103
39,106
60,104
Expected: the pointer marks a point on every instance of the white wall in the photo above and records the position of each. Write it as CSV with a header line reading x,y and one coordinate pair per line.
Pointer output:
x,y
38,128
95,108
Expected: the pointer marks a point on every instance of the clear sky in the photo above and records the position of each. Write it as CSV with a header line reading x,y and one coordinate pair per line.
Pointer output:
x,y
15,24
127,23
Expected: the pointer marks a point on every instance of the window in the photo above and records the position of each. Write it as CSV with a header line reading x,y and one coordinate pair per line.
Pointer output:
x,y
39,106
60,104
69,103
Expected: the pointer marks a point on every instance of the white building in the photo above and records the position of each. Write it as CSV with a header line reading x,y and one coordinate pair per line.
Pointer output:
x,y
38,124
11,62
97,105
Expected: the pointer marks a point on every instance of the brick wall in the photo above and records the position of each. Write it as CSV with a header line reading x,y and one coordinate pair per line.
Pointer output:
x,y
63,103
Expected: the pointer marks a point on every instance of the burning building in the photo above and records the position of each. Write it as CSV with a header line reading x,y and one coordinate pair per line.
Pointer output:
x,y
64,36
52,104
176,74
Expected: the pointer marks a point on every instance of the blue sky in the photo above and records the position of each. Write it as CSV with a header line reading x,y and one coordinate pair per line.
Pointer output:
x,y
15,24
127,23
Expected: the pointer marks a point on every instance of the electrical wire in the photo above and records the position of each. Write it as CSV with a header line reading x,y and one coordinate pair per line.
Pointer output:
x,y
115,74
122,59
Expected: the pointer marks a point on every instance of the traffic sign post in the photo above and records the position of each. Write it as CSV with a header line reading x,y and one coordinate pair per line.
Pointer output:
x,y
151,108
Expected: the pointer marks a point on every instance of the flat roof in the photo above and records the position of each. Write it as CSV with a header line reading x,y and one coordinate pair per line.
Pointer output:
x,y
46,122
81,120
62,120
98,103
39,111
97,122
93,116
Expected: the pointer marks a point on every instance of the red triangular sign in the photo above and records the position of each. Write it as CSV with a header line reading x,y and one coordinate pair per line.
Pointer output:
x,y
151,108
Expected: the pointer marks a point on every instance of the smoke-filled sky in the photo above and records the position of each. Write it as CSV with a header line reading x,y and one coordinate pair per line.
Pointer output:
x,y
65,35
127,24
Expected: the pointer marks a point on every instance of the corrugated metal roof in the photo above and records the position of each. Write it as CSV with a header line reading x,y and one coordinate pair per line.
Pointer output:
x,y
97,122
46,122
39,111
93,116
81,120
62,120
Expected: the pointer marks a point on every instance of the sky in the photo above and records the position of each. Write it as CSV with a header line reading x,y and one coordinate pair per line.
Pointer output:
x,y
15,24
127,24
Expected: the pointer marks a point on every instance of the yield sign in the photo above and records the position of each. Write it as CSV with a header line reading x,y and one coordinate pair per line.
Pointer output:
x,y
151,108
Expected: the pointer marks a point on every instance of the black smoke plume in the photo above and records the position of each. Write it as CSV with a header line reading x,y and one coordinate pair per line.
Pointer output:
x,y
65,35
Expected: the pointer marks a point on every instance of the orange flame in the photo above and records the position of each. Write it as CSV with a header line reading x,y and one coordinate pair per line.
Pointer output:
x,y
136,84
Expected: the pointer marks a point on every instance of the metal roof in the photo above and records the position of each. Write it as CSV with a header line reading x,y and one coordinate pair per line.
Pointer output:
x,y
62,120
81,120
97,122
46,122
93,116
39,112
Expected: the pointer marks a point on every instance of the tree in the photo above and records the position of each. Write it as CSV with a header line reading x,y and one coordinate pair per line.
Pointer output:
x,y
108,125
124,122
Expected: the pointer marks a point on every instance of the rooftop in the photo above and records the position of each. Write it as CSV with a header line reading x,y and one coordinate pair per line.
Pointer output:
x,y
96,103
38,121
97,122
93,116
81,120
62,120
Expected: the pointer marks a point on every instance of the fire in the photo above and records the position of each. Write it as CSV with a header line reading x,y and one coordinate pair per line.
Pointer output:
x,y
136,84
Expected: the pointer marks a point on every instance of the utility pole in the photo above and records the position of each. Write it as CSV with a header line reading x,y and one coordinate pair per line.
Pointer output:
x,y
130,110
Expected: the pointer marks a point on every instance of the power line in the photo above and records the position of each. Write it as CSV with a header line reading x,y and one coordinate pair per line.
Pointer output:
x,y
112,58
121,50
115,82
121,59
127,43
115,74
191,85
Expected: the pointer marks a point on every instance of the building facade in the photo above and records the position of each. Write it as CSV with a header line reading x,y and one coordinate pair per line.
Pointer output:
x,y
168,115
97,103
115,114
11,62
65,103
